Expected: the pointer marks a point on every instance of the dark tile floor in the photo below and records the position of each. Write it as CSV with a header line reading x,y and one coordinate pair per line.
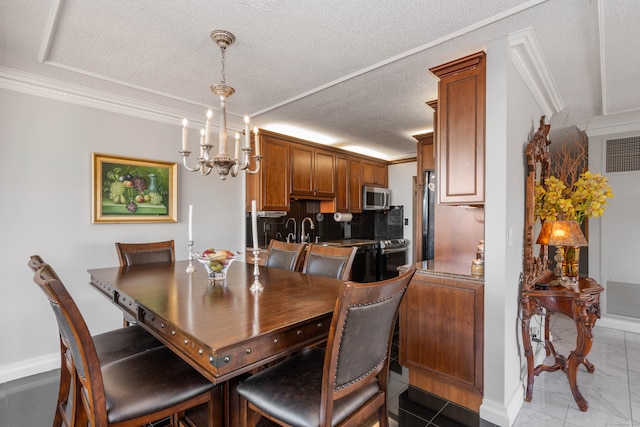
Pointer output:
x,y
613,392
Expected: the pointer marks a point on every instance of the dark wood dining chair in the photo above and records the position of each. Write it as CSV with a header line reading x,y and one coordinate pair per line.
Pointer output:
x,y
110,346
344,384
330,261
288,256
131,391
145,253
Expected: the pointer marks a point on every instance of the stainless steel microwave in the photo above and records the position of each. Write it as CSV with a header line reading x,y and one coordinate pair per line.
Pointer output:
x,y
375,198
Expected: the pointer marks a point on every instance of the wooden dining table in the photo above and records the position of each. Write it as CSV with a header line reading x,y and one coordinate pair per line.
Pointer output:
x,y
221,328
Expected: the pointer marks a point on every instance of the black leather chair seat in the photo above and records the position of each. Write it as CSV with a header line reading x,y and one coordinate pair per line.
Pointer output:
x,y
290,391
133,388
119,343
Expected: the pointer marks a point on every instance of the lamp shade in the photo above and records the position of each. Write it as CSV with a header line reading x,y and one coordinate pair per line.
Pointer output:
x,y
561,233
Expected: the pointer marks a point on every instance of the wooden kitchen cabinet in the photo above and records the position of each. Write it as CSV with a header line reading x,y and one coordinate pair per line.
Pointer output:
x,y
348,188
355,185
374,173
342,184
460,135
441,335
312,172
270,186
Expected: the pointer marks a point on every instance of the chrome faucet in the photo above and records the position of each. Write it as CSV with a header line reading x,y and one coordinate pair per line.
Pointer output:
x,y
304,237
292,236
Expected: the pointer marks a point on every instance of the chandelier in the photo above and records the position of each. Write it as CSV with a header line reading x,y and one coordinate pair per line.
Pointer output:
x,y
223,163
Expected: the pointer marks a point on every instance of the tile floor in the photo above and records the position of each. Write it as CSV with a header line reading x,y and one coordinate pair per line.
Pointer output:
x,y
613,390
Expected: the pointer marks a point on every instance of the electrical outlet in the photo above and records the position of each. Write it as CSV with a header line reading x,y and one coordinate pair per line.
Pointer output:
x,y
535,333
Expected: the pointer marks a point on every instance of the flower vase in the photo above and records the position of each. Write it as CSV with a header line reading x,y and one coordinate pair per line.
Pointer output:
x,y
571,263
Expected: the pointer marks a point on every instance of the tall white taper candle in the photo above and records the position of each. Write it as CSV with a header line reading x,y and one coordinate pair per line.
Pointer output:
x,y
190,222
254,224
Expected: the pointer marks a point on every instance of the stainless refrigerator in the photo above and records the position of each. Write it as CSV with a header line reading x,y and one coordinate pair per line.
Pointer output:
x,y
428,208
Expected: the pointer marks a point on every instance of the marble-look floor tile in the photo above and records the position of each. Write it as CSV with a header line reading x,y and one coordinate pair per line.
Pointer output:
x,y
634,387
633,351
3,405
594,417
529,416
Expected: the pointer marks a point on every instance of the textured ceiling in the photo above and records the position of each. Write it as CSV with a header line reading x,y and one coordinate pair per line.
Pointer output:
x,y
349,73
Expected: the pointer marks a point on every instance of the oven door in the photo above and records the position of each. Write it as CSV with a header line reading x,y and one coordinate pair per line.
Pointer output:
x,y
390,260
364,265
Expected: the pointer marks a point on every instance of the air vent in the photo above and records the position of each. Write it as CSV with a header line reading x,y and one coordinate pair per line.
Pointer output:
x,y
623,154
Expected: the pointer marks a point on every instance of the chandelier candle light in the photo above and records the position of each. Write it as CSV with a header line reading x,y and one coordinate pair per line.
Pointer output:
x,y
223,163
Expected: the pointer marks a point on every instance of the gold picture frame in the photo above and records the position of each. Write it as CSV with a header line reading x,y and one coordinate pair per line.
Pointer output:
x,y
130,190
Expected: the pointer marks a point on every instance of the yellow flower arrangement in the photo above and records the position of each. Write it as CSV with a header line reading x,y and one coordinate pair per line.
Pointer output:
x,y
587,198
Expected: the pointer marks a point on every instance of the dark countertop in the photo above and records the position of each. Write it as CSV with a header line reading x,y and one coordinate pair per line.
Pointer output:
x,y
348,242
455,269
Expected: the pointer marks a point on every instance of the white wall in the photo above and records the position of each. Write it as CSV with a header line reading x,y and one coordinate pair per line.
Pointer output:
x,y
511,118
401,185
45,186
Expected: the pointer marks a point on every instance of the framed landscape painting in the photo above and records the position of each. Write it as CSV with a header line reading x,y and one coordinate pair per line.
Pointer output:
x,y
133,190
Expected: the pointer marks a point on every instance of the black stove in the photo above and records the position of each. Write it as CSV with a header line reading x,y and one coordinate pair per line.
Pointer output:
x,y
392,254
393,244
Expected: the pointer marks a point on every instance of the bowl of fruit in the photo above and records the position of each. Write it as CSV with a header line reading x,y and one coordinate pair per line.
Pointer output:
x,y
217,262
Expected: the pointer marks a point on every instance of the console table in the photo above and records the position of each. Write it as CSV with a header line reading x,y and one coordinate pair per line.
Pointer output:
x,y
583,306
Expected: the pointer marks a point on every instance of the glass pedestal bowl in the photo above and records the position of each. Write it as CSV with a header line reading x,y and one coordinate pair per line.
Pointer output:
x,y
217,269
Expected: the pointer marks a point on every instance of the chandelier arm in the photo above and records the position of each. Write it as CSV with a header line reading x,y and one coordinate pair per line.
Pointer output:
x,y
185,154
257,169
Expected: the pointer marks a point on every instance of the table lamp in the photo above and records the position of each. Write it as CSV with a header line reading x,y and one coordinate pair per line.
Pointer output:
x,y
567,237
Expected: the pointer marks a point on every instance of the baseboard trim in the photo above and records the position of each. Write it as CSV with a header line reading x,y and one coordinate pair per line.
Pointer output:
x,y
620,323
29,367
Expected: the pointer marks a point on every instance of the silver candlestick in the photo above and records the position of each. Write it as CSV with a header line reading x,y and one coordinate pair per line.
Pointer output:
x,y
190,268
256,286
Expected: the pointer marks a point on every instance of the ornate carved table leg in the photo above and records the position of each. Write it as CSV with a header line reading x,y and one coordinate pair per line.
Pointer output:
x,y
585,314
526,341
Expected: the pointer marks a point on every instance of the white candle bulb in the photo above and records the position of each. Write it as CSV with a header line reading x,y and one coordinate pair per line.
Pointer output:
x,y
247,135
185,134
237,146
190,223
254,224
255,131
207,127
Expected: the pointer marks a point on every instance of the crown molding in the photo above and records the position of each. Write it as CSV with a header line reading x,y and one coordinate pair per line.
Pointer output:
x,y
612,124
46,87
527,57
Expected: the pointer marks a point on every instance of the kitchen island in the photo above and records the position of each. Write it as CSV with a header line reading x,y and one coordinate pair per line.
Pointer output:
x,y
441,332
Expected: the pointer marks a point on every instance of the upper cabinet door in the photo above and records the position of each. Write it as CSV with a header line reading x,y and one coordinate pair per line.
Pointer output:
x,y
270,186
302,170
325,174
460,135
374,173
312,172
